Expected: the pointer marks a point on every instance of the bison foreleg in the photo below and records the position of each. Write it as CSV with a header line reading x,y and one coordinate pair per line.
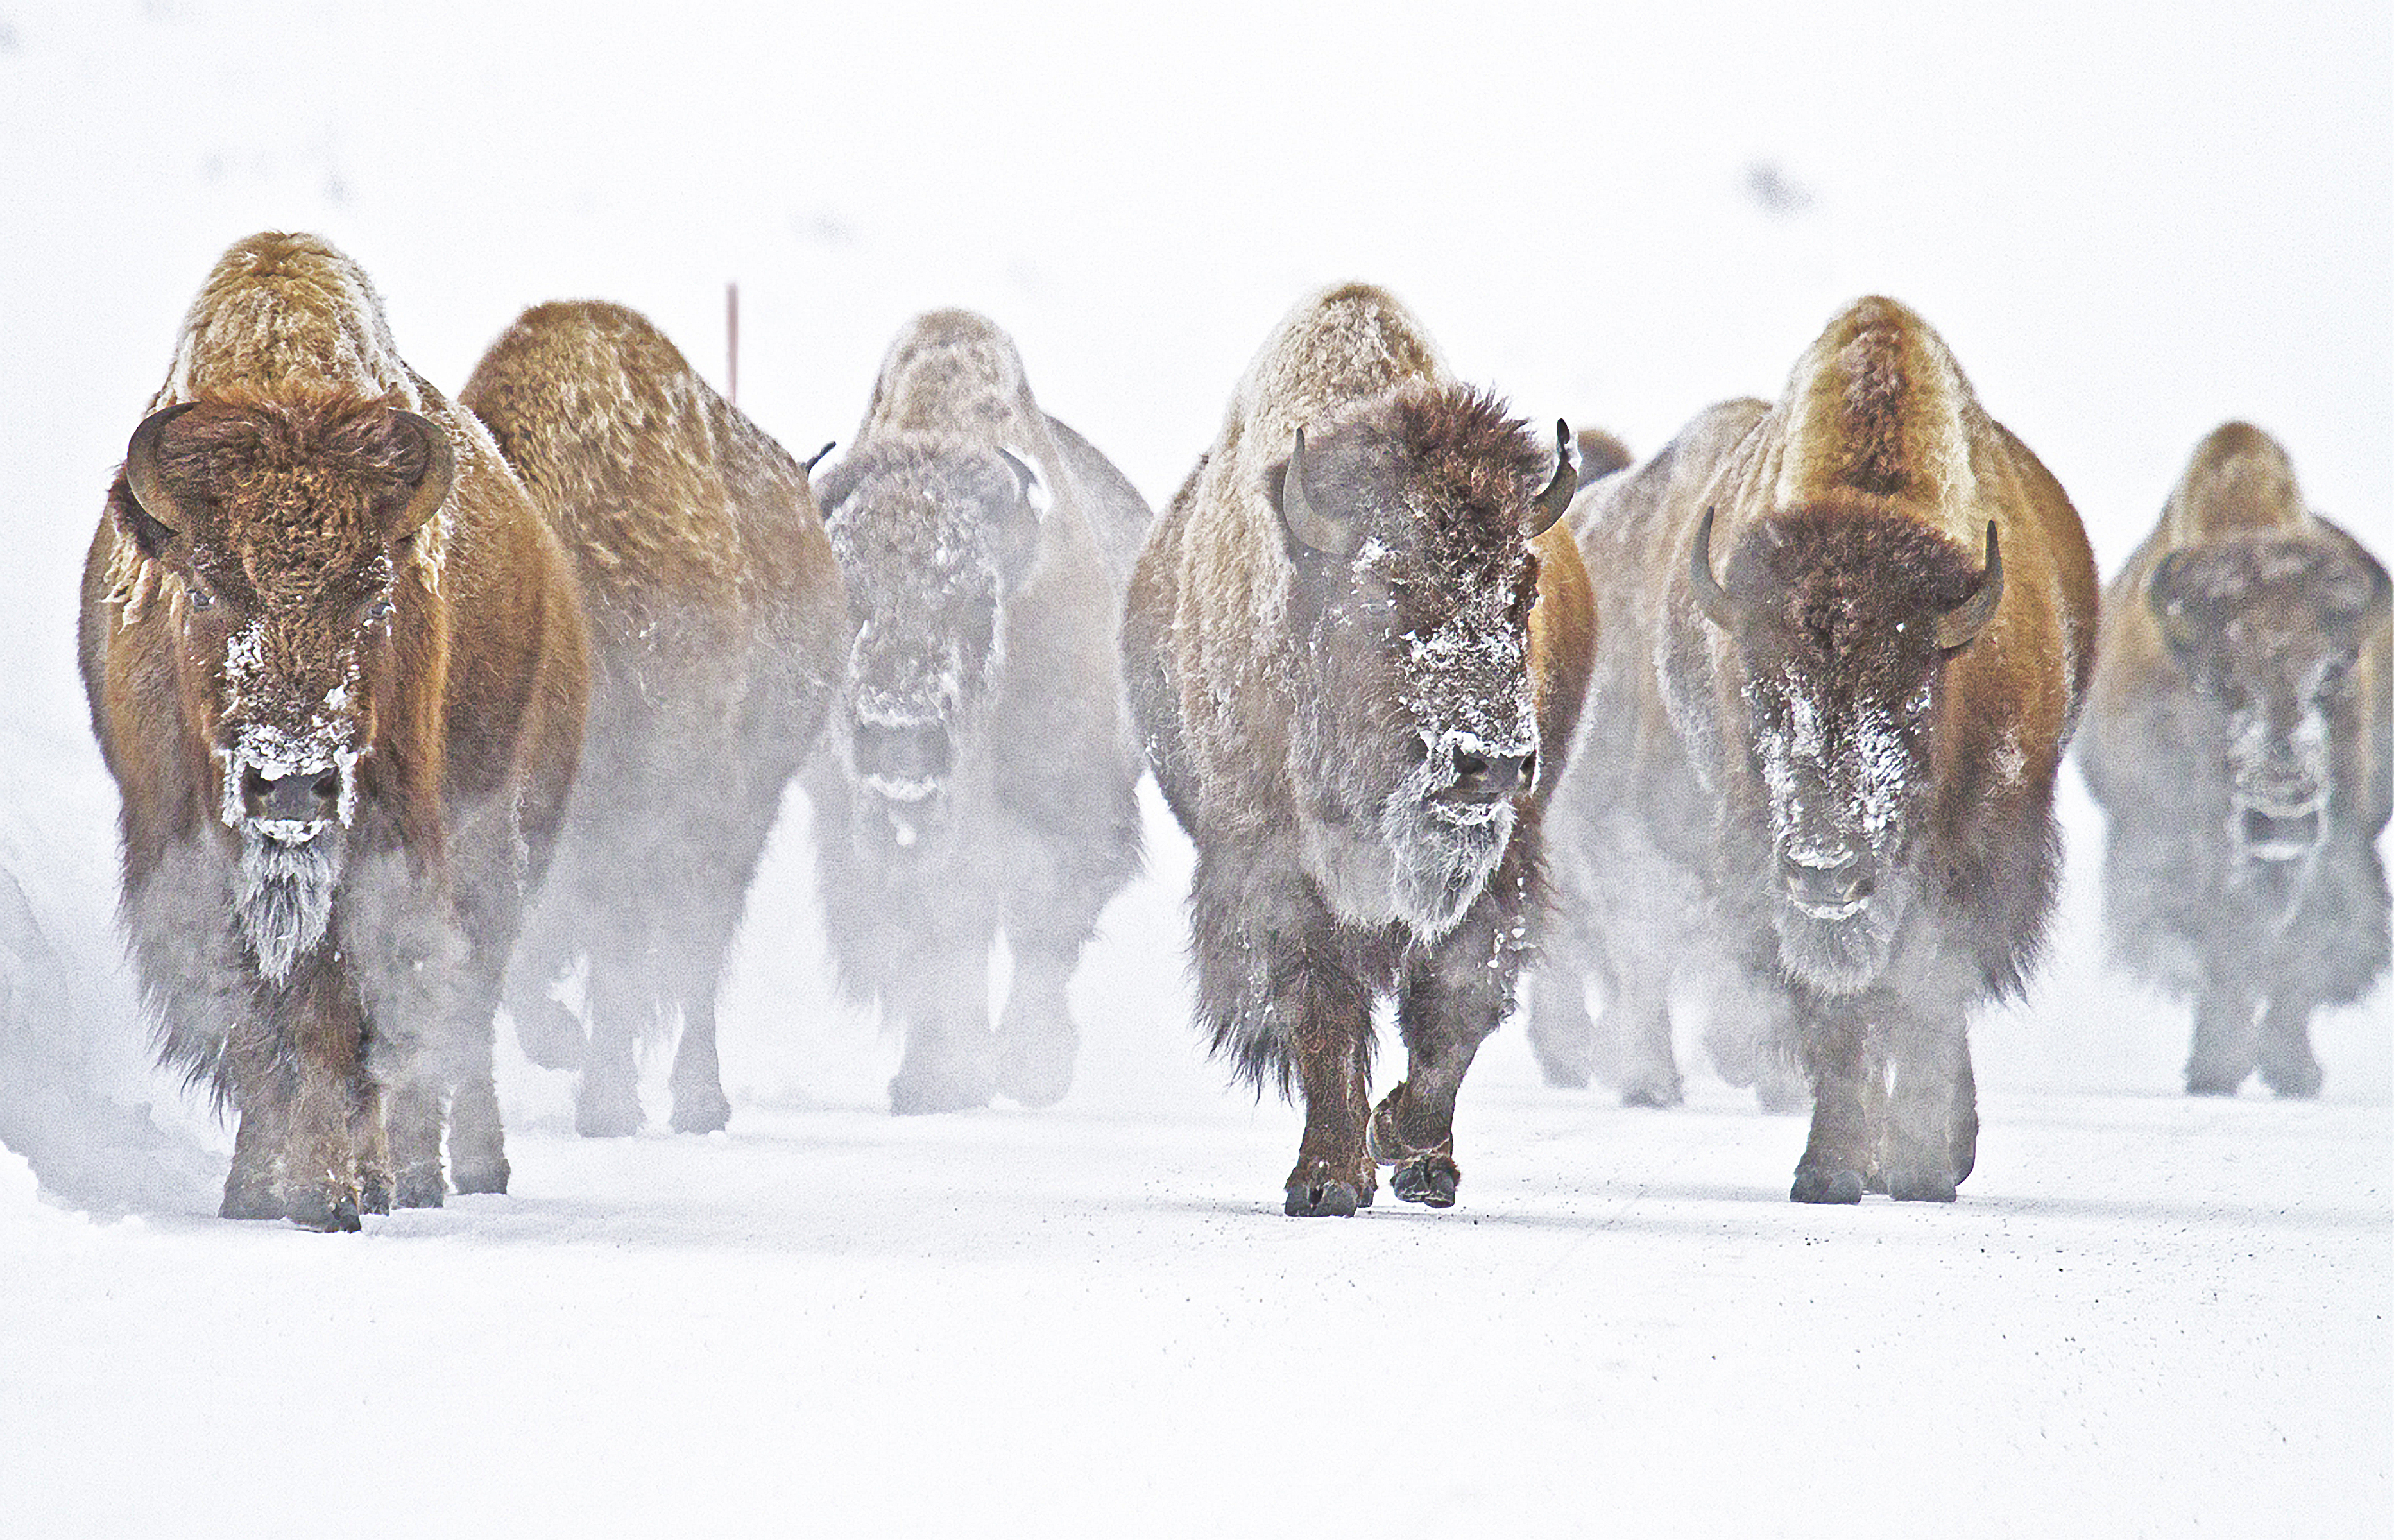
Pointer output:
x,y
2223,1052
1931,1100
1842,1149
1453,995
2288,1066
1036,1038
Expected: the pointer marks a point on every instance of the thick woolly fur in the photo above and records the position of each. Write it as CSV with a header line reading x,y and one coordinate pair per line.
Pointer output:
x,y
1309,714
981,773
717,622
331,974
2238,739
1839,827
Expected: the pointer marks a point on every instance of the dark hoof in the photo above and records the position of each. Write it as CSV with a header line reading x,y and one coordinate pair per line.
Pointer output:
x,y
326,1213
607,1113
1426,1179
419,1187
704,1112
1035,1068
551,1036
1313,1200
485,1179
2212,1084
1826,1187
250,1201
1655,1093
1920,1185
2298,1082
915,1093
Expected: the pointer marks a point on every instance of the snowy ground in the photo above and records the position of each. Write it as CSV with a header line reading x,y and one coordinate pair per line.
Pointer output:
x,y
2146,1315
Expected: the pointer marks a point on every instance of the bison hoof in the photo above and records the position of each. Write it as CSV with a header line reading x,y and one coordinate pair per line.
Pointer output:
x,y
481,1179
1035,1068
1655,1093
373,1192
703,1111
419,1187
1313,1199
607,1113
2297,1081
1920,1185
914,1093
1826,1187
328,1212
1428,1180
2212,1082
250,1201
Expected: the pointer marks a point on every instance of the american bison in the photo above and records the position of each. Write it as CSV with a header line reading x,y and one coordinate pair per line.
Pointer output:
x,y
716,626
981,775
1847,639
1356,648
2240,742
336,665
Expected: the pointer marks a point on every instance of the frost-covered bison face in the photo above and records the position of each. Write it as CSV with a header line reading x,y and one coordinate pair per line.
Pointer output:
x,y
930,543
2268,630
276,529
1841,630
1416,729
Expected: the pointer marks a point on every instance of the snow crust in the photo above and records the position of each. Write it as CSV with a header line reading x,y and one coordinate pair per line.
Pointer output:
x,y
2146,1315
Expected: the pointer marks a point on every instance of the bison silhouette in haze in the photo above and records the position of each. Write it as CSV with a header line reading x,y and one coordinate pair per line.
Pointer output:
x,y
1847,639
717,623
979,776
2241,743
1356,650
337,666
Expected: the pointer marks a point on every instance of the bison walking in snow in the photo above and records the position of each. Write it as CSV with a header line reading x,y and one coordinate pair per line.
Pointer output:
x,y
1847,640
1356,650
981,775
337,666
2240,741
716,623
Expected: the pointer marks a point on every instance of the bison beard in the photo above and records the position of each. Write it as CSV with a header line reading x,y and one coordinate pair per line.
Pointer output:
x,y
284,897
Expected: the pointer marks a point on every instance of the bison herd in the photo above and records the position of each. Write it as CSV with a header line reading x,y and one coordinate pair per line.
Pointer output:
x,y
421,707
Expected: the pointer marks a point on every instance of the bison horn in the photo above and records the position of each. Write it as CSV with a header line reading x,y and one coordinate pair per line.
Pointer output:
x,y
809,464
141,475
1711,596
1956,627
1028,483
1557,496
1321,533
432,489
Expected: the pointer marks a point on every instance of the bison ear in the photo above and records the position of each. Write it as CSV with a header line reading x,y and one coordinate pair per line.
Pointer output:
x,y
1018,533
1313,529
1557,496
430,487
153,518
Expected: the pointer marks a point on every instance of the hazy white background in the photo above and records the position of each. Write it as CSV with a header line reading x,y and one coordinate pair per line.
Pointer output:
x,y
2146,1315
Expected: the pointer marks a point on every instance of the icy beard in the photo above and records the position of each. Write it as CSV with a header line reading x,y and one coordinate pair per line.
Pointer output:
x,y
1837,954
1840,956
1442,856
284,897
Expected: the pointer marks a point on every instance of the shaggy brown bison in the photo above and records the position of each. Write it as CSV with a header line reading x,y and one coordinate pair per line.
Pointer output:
x,y
336,665
981,775
1356,650
1847,639
717,623
2240,742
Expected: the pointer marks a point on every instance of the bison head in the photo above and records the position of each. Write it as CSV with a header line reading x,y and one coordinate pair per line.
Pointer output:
x,y
931,541
1415,725
277,527
1841,628
2268,629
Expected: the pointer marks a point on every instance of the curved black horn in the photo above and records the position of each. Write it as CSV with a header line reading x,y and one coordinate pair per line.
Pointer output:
x,y
439,469
1711,598
809,464
1965,620
141,477
1557,496
1330,536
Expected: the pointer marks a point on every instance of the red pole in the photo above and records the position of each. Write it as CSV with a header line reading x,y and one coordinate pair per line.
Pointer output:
x,y
732,333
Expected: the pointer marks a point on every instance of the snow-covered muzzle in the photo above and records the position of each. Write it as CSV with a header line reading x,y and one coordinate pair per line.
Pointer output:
x,y
910,698
1841,783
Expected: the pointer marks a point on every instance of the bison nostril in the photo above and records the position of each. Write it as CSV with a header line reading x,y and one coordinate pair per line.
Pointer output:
x,y
307,798
915,752
328,787
1487,777
1470,768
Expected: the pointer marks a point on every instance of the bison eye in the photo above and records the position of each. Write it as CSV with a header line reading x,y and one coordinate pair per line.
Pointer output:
x,y
378,610
201,595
